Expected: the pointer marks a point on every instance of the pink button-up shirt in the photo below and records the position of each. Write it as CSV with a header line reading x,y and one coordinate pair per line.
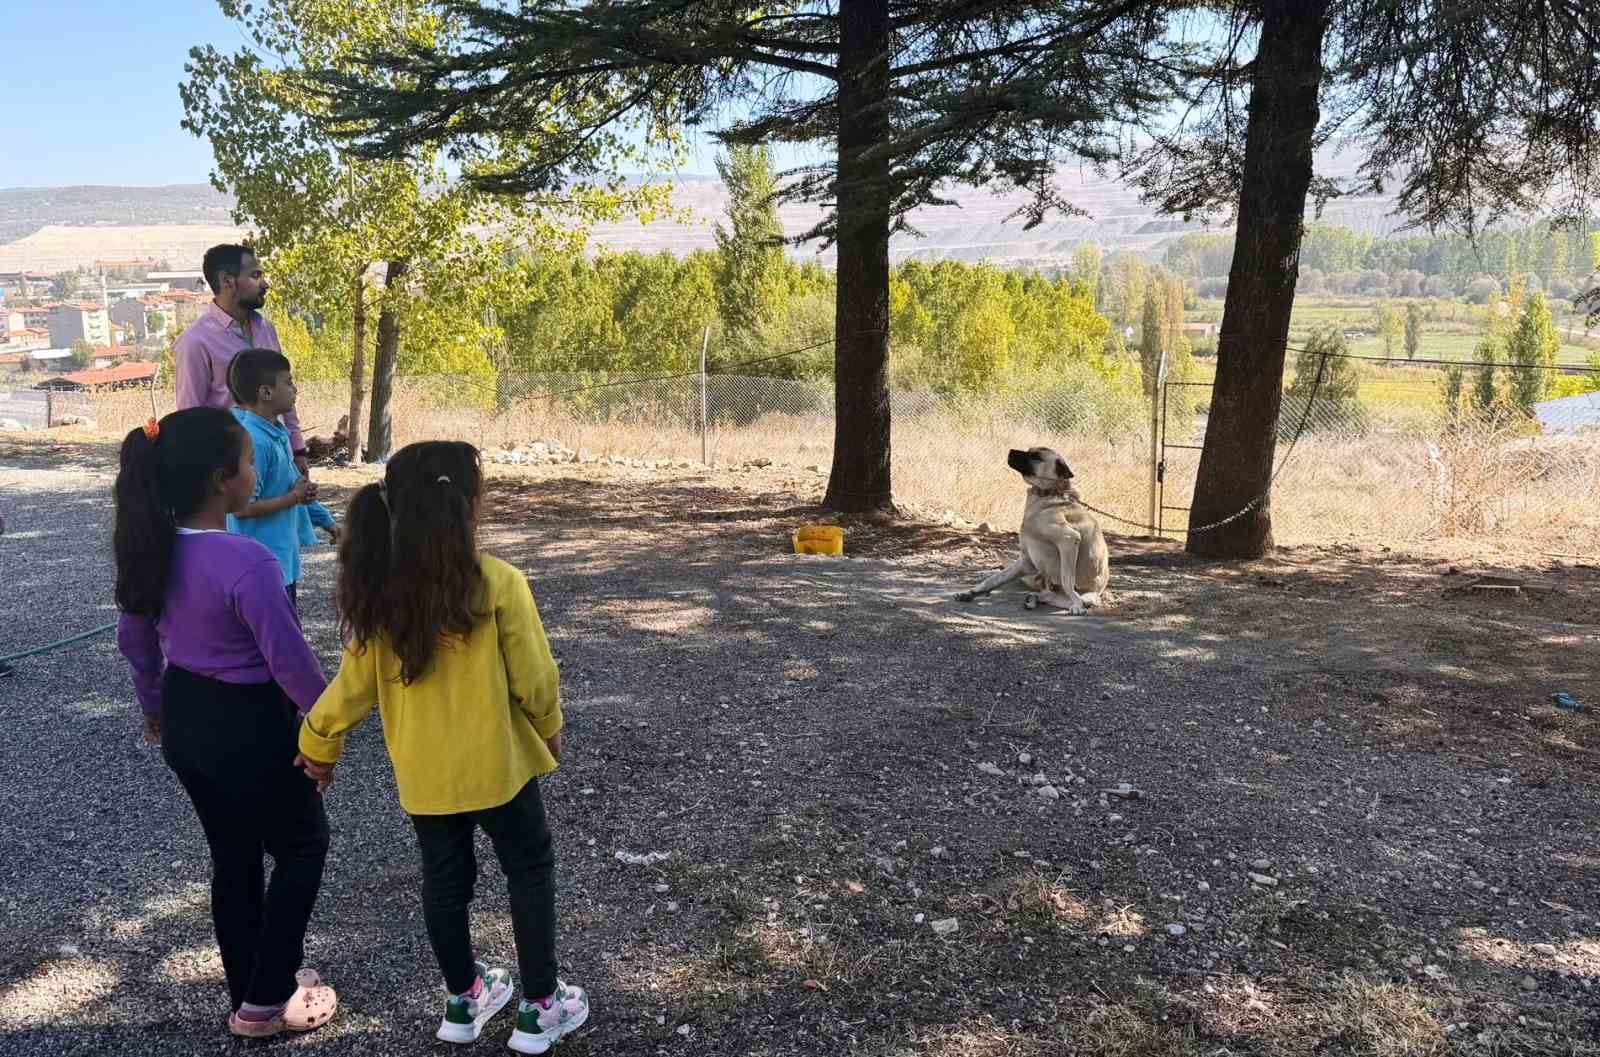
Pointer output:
x,y
203,352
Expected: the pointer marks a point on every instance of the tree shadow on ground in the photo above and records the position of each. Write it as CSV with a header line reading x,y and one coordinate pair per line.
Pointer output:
x,y
804,738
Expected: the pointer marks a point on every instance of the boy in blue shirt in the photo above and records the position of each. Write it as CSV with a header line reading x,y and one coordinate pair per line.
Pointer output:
x,y
283,507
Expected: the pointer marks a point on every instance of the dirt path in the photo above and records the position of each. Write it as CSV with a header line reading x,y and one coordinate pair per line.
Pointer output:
x,y
832,752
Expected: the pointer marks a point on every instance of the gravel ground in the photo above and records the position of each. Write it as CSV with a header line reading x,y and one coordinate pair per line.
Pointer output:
x,y
1360,826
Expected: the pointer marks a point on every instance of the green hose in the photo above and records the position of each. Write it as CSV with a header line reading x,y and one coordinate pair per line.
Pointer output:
x,y
47,647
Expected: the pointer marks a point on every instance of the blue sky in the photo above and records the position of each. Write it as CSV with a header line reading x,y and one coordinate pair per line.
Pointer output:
x,y
89,92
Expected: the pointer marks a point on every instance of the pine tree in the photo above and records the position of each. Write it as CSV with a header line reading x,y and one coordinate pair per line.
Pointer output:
x,y
911,95
1413,330
1417,85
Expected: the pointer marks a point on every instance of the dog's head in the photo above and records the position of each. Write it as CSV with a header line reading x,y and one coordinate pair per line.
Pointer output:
x,y
1043,468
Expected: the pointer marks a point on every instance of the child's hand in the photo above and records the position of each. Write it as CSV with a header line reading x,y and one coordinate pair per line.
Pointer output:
x,y
311,488
321,773
152,729
301,490
554,745
333,534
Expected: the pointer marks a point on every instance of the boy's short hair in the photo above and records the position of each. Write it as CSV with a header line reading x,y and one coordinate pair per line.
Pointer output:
x,y
228,257
253,368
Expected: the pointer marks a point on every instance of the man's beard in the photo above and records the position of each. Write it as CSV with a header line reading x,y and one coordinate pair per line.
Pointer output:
x,y
253,304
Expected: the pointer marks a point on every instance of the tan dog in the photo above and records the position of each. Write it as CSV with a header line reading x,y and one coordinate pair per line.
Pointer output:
x,y
1063,556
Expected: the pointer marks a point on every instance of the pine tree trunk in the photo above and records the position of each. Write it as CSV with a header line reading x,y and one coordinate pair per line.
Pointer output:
x,y
380,433
358,367
1241,432
860,478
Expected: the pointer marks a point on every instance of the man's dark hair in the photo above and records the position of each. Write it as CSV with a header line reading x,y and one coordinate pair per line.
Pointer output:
x,y
253,368
228,257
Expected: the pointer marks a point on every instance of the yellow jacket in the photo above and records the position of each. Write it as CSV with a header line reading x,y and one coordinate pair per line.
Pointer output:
x,y
471,732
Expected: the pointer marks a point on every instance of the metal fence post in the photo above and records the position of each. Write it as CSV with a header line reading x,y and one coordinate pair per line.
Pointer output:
x,y
1155,444
705,424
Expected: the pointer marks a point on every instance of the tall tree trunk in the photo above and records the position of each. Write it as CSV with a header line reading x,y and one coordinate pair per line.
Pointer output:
x,y
358,367
860,480
1242,429
380,434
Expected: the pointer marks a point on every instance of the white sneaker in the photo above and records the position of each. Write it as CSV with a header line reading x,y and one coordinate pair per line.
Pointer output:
x,y
540,1027
464,1017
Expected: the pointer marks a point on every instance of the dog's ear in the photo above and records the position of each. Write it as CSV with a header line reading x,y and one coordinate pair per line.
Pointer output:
x,y
1063,471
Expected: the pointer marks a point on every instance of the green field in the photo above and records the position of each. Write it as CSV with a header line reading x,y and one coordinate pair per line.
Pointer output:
x,y
1454,338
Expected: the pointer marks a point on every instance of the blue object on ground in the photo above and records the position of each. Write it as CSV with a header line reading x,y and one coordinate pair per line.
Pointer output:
x,y
1564,700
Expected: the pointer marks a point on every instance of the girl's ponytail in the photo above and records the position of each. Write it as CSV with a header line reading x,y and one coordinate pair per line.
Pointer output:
x,y
145,528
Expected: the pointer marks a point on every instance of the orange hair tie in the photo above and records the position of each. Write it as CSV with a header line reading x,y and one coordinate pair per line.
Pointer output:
x,y
152,429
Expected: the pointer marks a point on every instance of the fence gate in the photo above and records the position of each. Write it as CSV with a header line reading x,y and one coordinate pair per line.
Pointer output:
x,y
1178,435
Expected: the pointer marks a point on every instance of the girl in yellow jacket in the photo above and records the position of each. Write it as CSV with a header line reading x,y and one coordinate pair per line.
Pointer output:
x,y
447,643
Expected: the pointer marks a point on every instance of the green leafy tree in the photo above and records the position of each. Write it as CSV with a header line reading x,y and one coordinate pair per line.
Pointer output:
x,y
1531,351
911,95
1085,269
1125,292
1485,390
1153,336
1413,330
751,290
1325,376
82,355
349,236
1453,386
1481,106
1391,328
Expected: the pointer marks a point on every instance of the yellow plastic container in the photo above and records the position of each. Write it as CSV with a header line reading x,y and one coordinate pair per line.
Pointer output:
x,y
819,539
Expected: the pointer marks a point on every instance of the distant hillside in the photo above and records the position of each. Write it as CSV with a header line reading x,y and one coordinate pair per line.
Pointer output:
x,y
52,229
25,210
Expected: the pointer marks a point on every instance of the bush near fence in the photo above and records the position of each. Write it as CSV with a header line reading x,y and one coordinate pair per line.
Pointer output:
x,y
1398,475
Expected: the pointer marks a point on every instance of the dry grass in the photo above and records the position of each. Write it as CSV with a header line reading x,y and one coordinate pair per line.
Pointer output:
x,y
1399,483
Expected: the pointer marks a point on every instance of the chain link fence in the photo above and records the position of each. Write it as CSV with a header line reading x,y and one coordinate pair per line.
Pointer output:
x,y
1400,460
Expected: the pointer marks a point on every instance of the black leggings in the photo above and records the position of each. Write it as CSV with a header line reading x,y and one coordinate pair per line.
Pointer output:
x,y
522,843
232,747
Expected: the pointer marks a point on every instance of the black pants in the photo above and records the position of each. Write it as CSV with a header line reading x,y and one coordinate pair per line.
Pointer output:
x,y
233,747
521,838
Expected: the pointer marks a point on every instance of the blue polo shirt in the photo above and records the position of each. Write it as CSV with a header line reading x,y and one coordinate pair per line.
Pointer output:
x,y
285,532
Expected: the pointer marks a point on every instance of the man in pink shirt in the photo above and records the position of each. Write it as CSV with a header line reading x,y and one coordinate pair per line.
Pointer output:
x,y
232,323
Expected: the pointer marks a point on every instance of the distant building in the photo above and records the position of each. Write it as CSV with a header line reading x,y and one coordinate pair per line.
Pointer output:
x,y
24,338
128,291
35,359
1569,414
195,281
36,316
122,376
75,321
179,308
27,284
137,264
111,355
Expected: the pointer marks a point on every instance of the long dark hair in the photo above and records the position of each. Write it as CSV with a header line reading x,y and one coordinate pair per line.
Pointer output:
x,y
162,480
408,567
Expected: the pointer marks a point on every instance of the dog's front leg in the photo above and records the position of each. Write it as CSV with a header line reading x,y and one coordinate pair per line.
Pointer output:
x,y
1016,570
1069,570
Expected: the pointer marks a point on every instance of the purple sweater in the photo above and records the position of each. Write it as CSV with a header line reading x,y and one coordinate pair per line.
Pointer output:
x,y
226,617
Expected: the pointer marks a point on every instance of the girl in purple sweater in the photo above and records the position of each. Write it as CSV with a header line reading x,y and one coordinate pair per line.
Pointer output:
x,y
223,674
